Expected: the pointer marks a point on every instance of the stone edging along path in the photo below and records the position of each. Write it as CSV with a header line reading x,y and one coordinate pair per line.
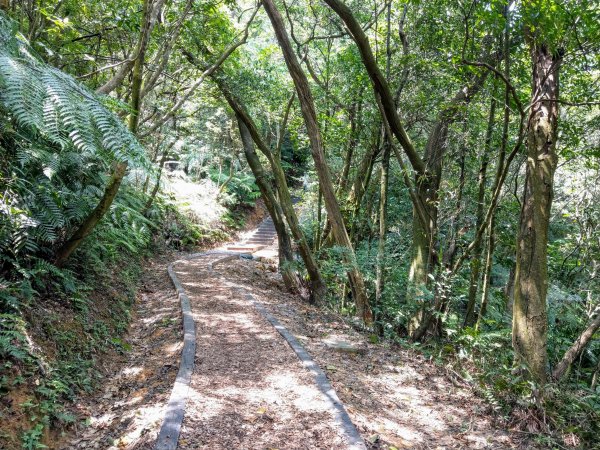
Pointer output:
x,y
171,426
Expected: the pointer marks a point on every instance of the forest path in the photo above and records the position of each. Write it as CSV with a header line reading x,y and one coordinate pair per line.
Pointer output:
x,y
248,389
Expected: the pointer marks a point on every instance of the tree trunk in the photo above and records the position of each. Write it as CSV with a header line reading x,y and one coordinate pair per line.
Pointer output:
x,y
424,257
318,288
228,180
162,58
310,119
530,320
487,273
149,16
356,221
317,244
161,163
88,225
383,199
286,254
353,116
380,85
573,353
363,174
480,217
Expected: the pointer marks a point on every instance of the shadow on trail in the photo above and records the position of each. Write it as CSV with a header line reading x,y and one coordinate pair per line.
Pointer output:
x,y
248,390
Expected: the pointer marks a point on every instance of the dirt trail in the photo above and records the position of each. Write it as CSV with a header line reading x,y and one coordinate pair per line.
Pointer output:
x,y
248,389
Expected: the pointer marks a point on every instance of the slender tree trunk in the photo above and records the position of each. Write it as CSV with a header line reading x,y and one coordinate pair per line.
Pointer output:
x,y
88,225
487,273
357,192
317,245
499,169
383,199
163,57
318,287
530,317
149,16
480,217
575,350
356,220
452,247
354,116
310,119
227,181
161,163
286,254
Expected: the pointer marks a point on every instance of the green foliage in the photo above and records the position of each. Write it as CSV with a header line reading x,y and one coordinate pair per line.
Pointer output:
x,y
58,141
57,110
13,344
240,189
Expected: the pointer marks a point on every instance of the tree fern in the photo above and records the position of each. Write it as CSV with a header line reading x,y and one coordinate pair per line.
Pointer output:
x,y
55,107
60,141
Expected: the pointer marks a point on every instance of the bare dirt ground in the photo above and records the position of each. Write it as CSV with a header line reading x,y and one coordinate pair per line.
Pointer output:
x,y
394,396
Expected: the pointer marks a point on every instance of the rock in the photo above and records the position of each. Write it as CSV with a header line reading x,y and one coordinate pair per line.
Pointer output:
x,y
345,347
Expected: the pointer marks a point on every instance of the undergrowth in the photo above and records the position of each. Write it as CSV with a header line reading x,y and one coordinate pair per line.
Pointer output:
x,y
57,324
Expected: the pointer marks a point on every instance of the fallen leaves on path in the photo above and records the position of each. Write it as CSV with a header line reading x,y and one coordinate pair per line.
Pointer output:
x,y
128,410
396,397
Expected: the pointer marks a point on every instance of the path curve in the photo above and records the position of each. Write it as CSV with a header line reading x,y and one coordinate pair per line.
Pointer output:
x,y
173,420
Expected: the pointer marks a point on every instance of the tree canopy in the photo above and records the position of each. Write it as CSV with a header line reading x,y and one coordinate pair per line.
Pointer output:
x,y
446,155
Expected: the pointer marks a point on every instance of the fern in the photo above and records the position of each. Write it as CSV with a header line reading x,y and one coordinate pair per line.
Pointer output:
x,y
53,106
60,141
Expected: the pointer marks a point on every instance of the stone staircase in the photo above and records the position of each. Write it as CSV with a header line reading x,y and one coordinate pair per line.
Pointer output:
x,y
262,237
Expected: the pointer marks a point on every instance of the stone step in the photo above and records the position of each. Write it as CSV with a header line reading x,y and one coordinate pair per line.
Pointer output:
x,y
261,242
345,347
245,248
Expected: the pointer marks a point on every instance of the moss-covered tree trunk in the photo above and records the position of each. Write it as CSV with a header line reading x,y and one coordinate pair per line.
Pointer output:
x,y
530,319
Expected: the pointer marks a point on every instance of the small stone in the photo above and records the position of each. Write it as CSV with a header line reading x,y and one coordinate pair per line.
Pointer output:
x,y
344,347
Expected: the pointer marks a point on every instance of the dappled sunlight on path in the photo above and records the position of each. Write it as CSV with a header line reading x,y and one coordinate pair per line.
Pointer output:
x,y
249,389
395,396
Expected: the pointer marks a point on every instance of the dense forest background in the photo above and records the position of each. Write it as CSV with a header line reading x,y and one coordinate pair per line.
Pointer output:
x,y
447,155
